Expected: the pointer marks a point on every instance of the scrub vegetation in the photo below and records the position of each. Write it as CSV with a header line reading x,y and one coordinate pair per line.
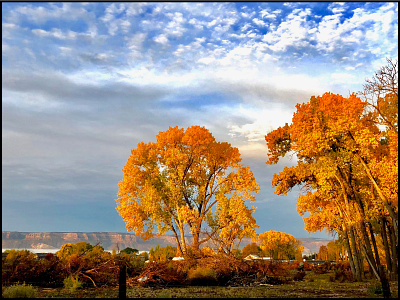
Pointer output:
x,y
94,273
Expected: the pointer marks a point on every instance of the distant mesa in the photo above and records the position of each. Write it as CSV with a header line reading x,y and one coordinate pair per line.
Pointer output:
x,y
54,240
110,240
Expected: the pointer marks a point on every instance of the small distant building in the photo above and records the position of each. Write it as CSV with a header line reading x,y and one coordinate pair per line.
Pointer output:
x,y
256,257
178,258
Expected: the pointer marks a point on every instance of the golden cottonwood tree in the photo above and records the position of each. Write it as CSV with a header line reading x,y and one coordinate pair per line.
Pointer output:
x,y
187,181
279,245
323,252
347,164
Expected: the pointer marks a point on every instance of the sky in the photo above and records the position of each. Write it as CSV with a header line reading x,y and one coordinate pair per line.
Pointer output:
x,y
84,83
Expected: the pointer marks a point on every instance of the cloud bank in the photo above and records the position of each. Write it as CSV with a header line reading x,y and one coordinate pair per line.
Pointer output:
x,y
83,83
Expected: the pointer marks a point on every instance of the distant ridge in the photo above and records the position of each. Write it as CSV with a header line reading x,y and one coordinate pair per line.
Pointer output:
x,y
110,240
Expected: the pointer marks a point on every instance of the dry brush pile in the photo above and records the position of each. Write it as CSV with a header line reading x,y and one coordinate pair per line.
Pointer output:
x,y
218,270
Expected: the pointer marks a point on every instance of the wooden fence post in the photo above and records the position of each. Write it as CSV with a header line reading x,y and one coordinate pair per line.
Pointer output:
x,y
122,282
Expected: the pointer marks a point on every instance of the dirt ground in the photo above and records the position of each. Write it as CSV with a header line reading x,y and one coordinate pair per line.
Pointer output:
x,y
299,289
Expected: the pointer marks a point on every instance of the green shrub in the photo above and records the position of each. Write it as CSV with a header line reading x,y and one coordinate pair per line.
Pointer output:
x,y
375,290
202,276
129,250
19,291
71,284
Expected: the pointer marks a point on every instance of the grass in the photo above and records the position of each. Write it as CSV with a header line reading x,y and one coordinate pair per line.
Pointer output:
x,y
19,291
313,286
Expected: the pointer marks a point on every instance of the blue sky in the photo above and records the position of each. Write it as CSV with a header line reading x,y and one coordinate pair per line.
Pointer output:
x,y
84,83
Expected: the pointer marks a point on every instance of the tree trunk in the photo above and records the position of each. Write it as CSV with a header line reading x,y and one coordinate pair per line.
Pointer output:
x,y
182,241
356,254
360,256
385,283
371,264
368,249
349,252
394,249
382,224
377,259
389,208
179,250
196,236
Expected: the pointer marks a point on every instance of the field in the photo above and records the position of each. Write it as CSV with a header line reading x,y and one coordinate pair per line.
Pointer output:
x,y
312,286
97,275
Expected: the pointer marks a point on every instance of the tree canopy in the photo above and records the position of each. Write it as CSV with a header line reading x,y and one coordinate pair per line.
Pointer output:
x,y
347,151
280,245
187,183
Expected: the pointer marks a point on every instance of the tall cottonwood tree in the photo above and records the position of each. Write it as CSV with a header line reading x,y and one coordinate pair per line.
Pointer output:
x,y
335,145
347,164
187,182
381,95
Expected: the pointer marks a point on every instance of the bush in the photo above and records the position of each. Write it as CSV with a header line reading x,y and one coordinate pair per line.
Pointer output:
x,y
270,268
341,275
49,272
159,274
93,265
18,266
342,272
202,276
323,268
129,250
71,284
299,276
19,291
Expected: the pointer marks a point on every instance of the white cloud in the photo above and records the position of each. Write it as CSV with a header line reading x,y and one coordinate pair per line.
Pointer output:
x,y
247,15
162,39
8,29
259,22
176,26
196,23
65,51
135,45
368,28
265,14
56,33
137,73
207,60
340,78
64,35
337,7
41,14
250,137
292,32
136,8
114,21
5,48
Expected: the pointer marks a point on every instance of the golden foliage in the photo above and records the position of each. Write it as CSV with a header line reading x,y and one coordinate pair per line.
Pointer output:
x,y
279,245
172,184
347,166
